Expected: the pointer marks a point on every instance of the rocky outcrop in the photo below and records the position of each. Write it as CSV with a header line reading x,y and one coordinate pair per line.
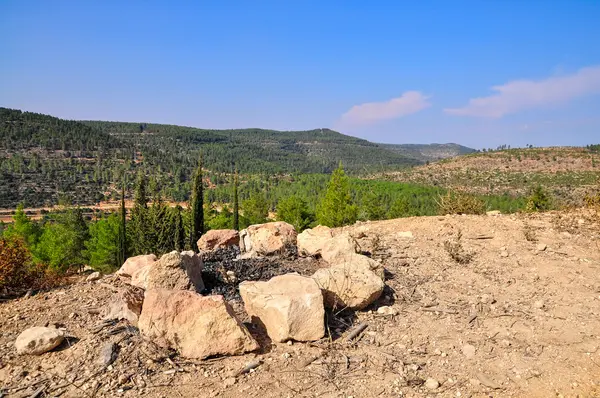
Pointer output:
x,y
289,306
218,239
38,340
132,264
267,239
126,305
311,241
194,325
176,271
348,287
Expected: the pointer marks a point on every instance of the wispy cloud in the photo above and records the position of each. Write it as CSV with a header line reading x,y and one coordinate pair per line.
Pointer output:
x,y
519,95
372,112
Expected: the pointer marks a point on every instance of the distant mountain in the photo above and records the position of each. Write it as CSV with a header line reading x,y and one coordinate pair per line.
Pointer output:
x,y
429,152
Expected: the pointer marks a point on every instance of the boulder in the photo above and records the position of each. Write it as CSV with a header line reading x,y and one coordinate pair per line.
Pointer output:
x,y
267,239
218,239
176,271
140,277
289,306
196,326
311,241
133,264
351,287
38,340
126,305
339,247
342,251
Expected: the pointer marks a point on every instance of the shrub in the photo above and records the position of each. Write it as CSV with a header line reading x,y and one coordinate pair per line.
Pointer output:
x,y
538,200
17,272
460,203
456,251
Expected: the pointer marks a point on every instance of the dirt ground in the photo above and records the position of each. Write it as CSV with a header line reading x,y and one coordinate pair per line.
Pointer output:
x,y
521,319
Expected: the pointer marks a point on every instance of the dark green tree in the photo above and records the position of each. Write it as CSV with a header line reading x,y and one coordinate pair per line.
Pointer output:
x,y
122,229
236,206
179,230
197,206
104,246
140,231
256,209
337,209
295,211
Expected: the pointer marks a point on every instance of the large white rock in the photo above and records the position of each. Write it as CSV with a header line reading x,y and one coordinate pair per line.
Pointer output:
x,y
351,287
339,247
194,325
267,239
140,277
218,239
311,241
126,305
133,264
290,307
38,340
177,271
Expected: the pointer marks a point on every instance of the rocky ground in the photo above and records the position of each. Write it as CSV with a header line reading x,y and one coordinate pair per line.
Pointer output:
x,y
512,308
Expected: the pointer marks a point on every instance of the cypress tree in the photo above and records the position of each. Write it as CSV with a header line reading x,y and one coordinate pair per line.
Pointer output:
x,y
197,207
179,230
122,229
139,219
236,206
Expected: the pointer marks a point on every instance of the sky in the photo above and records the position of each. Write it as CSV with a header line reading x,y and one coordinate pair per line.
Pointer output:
x,y
478,73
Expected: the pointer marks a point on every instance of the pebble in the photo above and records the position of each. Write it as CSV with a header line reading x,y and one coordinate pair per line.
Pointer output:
x,y
230,381
387,310
541,247
432,384
468,350
539,304
504,254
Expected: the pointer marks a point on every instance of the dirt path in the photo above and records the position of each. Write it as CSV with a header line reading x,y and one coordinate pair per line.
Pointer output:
x,y
521,319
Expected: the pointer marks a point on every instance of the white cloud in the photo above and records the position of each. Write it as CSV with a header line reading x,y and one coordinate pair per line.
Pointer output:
x,y
526,94
372,112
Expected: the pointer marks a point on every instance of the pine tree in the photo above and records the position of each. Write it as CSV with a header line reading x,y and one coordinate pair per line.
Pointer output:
x,y
197,207
336,208
236,207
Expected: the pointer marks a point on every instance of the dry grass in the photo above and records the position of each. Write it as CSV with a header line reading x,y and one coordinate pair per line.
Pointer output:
x,y
456,250
455,202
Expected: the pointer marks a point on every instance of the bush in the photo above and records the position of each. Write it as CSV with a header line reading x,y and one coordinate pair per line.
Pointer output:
x,y
538,200
294,210
460,203
17,272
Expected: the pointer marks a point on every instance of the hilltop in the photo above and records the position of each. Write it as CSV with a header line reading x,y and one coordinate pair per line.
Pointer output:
x,y
569,173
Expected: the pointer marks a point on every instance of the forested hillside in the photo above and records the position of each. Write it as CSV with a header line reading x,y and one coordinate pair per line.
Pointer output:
x,y
429,152
44,159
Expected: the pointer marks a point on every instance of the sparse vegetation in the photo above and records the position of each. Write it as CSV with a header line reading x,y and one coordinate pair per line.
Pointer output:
x,y
538,200
529,233
457,252
454,202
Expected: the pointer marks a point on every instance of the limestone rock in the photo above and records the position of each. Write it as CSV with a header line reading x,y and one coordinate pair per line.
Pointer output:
x,y
218,239
352,287
290,306
94,276
339,247
133,264
196,326
176,271
38,340
126,305
493,213
267,239
311,241
140,277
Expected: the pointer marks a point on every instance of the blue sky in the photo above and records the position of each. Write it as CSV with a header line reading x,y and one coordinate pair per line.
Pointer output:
x,y
480,73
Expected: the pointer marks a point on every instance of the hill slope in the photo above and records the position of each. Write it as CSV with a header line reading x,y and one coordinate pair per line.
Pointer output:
x,y
567,172
42,157
429,152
